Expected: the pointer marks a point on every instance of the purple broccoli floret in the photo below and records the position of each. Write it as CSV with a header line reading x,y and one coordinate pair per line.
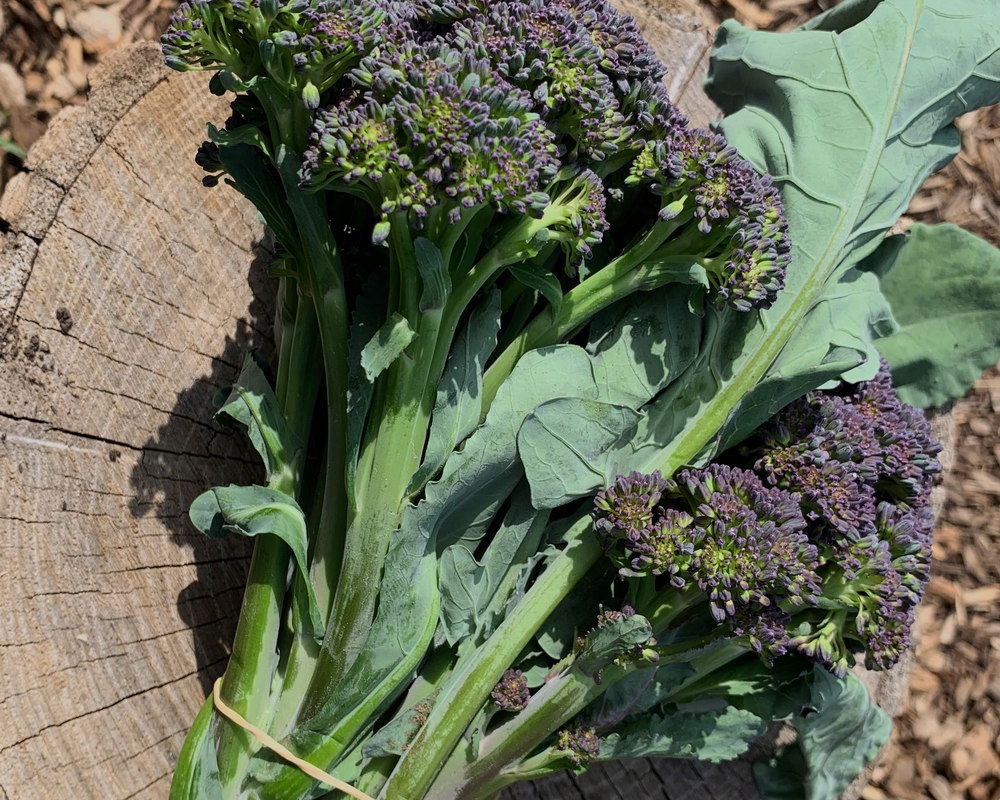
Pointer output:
x,y
821,547
433,111
511,693
580,743
719,529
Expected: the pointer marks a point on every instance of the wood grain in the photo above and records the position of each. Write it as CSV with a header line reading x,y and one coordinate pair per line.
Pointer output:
x,y
126,304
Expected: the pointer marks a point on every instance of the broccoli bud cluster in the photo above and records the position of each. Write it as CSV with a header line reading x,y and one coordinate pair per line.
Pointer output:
x,y
580,743
815,538
511,693
432,110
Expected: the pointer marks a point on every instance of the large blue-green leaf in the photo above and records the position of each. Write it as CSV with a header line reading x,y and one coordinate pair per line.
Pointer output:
x,y
835,340
259,511
644,342
567,447
849,117
473,592
838,735
641,351
944,286
713,735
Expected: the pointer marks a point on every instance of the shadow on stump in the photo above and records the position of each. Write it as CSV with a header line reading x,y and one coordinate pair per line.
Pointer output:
x,y
190,454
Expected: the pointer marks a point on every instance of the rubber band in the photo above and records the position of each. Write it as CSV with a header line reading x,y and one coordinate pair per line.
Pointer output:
x,y
278,749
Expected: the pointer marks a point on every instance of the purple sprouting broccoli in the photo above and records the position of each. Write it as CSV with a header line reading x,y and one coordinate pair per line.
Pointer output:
x,y
439,116
511,693
717,535
580,743
304,45
428,130
863,463
819,543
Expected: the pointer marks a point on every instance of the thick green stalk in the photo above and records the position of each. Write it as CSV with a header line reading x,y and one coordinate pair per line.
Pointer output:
x,y
476,675
351,724
557,702
322,278
552,706
247,682
390,458
388,462
186,782
619,278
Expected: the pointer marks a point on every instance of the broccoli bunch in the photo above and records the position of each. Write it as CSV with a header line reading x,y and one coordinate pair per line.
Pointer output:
x,y
814,538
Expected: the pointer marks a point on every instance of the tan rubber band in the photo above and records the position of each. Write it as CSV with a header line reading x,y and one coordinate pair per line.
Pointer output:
x,y
309,769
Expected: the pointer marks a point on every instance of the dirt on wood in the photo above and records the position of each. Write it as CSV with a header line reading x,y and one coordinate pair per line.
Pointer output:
x,y
946,741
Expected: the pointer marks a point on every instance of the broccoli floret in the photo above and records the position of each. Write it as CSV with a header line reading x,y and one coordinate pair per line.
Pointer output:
x,y
307,45
580,743
512,693
720,529
819,544
430,126
846,452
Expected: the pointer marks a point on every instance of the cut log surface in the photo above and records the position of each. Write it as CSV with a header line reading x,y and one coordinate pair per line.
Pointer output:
x,y
128,295
126,304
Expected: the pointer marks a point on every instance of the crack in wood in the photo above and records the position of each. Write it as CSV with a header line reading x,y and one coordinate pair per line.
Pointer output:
x,y
90,712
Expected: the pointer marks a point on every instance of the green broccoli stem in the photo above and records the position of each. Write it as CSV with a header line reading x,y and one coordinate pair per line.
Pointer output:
x,y
621,277
388,460
558,701
322,288
247,681
555,704
185,784
477,673
335,737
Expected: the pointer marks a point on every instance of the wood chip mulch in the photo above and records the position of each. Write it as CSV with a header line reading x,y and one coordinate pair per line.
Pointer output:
x,y
946,741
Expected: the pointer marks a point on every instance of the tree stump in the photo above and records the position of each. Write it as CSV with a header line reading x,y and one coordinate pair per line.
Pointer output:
x,y
128,294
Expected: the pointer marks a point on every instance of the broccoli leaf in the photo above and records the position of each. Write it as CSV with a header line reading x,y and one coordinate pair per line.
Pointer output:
x,y
403,627
715,735
867,73
459,403
253,406
433,274
256,511
944,286
838,734
197,771
393,737
608,643
540,279
386,345
253,176
567,443
364,323
643,343
470,589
